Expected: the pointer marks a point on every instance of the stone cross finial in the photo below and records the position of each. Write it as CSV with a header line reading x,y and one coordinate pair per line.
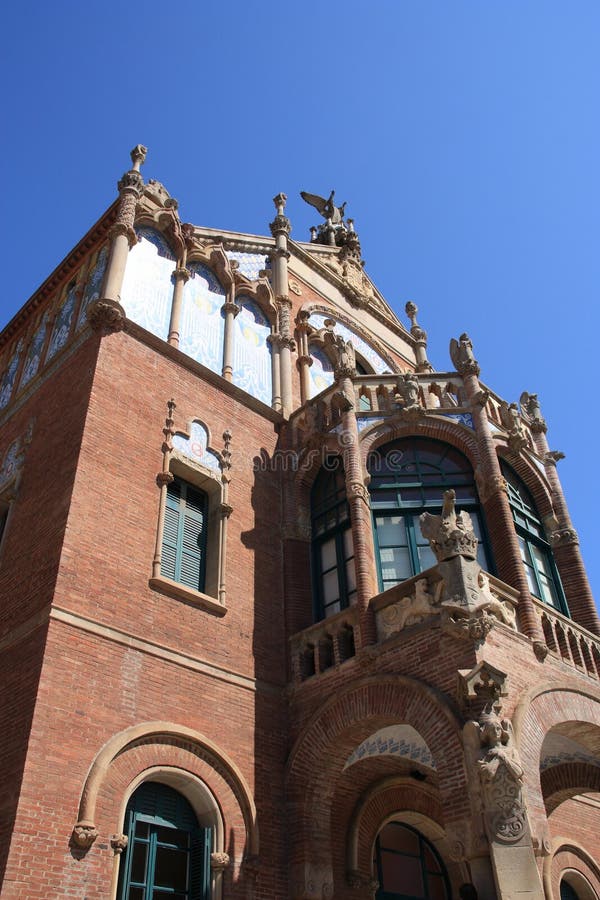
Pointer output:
x,y
138,156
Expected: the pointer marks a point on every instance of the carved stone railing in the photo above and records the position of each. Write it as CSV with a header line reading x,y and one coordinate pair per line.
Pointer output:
x,y
574,644
436,390
418,598
325,645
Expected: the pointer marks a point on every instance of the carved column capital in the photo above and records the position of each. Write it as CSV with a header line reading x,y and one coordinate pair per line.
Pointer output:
x,y
124,228
230,307
280,225
131,182
358,489
164,477
106,316
181,273
219,861
119,842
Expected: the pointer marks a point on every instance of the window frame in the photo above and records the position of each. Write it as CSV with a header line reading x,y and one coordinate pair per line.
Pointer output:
x,y
423,844
337,533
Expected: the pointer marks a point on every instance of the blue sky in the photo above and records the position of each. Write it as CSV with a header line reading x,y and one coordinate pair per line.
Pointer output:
x,y
464,135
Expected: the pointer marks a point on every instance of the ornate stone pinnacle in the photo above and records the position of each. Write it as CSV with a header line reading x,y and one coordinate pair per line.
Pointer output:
x,y
138,156
411,310
280,200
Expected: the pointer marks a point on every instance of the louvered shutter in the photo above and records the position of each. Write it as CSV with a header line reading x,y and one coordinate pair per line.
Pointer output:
x,y
184,535
200,874
168,566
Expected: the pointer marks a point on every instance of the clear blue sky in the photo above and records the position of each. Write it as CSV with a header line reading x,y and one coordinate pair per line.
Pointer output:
x,y
464,135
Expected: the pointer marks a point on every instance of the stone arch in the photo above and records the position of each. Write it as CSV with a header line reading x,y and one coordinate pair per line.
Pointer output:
x,y
161,746
434,427
259,292
568,858
356,327
532,478
341,723
542,709
566,780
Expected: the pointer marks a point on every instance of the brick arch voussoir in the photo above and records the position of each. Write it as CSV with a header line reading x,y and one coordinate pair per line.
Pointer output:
x,y
435,427
130,753
566,780
348,718
532,478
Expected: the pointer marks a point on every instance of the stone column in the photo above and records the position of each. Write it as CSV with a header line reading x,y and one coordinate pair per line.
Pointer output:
x,y
420,336
225,511
280,229
273,340
304,361
180,278
493,495
564,539
123,237
356,490
230,310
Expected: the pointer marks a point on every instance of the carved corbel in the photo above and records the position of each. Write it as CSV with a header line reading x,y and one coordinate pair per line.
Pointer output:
x,y
106,316
84,834
119,843
553,456
563,536
219,861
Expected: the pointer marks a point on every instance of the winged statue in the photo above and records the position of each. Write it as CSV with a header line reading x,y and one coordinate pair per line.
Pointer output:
x,y
326,208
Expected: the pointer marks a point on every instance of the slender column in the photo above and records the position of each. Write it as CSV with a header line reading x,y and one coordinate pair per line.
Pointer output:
x,y
564,539
273,340
304,361
420,336
163,479
493,494
225,512
230,310
280,229
180,277
123,237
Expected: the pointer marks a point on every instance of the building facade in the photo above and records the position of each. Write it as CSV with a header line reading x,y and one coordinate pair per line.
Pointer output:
x,y
285,612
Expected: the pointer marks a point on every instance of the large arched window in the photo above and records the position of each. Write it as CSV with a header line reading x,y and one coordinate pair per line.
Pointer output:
x,y
542,575
168,853
407,867
409,477
334,578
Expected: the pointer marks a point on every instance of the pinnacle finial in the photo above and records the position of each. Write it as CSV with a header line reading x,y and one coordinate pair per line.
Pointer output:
x,y
280,200
138,156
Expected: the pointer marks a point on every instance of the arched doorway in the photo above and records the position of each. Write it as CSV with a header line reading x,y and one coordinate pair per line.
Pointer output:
x,y
168,852
407,866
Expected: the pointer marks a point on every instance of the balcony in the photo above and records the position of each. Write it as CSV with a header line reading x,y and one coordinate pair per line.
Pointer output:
x,y
567,640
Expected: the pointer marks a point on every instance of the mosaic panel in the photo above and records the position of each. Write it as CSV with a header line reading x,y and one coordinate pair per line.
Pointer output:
x,y
321,371
461,418
8,380
92,288
250,264
147,286
32,363
251,352
367,421
202,324
379,365
195,446
62,325
395,740
9,464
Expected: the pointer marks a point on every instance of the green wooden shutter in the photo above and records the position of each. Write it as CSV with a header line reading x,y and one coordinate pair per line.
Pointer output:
x,y
184,536
200,873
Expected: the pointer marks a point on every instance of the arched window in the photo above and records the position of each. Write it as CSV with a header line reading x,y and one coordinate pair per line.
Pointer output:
x,y
536,553
184,535
407,866
334,576
409,477
567,891
168,853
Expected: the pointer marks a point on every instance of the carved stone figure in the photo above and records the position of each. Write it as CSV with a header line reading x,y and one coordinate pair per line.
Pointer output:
x,y
326,208
343,352
461,354
450,534
530,405
501,777
407,611
407,395
511,419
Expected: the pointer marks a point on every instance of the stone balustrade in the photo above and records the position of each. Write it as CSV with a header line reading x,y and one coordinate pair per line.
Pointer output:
x,y
572,643
325,645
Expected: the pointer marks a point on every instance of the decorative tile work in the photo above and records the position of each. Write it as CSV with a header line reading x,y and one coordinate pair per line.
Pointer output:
x,y
8,381
195,446
202,324
32,363
461,418
250,264
395,740
147,289
558,748
9,464
92,288
364,422
62,325
251,352
317,320
321,371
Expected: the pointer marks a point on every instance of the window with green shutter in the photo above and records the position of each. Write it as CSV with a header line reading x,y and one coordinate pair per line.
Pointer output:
x,y
184,536
168,852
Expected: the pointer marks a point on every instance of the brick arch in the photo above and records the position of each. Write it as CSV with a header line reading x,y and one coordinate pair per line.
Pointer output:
x,y
341,724
540,710
434,427
532,478
565,780
568,856
130,753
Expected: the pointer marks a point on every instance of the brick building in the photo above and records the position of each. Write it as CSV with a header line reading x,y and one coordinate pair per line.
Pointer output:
x,y
285,612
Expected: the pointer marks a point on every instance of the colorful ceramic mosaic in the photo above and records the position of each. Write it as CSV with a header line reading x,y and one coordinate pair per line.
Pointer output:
x,y
321,371
195,446
251,352
250,264
395,740
202,324
32,363
92,288
378,364
8,380
460,418
9,464
62,325
147,289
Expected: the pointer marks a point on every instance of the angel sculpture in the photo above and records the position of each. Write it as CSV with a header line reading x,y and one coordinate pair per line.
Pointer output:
x,y
326,208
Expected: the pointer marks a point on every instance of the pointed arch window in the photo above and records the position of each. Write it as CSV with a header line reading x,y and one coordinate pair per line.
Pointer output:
x,y
409,477
168,852
334,577
407,866
536,553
